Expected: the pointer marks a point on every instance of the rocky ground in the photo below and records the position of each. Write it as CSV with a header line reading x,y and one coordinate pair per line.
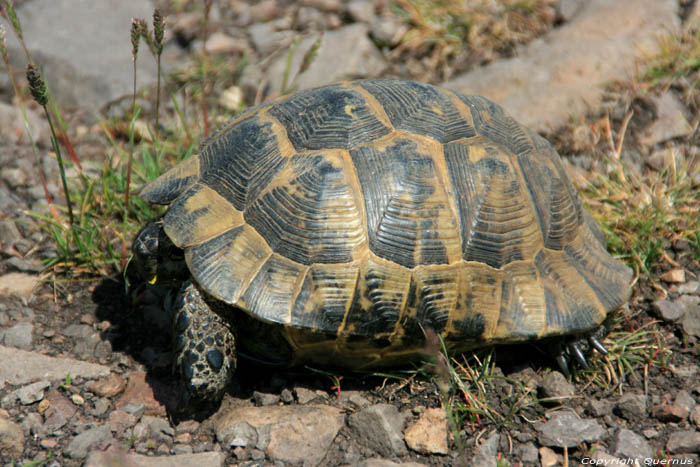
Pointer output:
x,y
85,374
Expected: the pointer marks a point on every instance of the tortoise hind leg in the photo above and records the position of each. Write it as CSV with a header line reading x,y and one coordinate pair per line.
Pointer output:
x,y
204,346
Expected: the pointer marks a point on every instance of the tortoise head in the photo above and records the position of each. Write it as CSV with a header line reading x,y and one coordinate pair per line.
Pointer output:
x,y
156,258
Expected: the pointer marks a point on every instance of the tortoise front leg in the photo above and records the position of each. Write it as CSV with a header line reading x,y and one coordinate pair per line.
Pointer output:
x,y
204,346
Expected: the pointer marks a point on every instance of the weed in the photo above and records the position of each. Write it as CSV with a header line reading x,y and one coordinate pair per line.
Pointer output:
x,y
66,382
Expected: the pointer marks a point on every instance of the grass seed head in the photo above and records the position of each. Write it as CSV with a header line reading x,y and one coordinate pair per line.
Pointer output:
x,y
158,31
135,37
3,46
9,13
37,86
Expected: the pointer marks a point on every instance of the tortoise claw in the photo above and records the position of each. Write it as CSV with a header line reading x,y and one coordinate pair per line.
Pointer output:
x,y
575,350
563,362
596,344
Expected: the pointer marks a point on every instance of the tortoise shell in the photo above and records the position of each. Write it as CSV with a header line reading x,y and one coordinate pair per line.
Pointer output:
x,y
355,217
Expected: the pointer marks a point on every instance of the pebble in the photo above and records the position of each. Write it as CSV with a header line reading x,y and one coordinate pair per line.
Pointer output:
x,y
60,412
119,421
632,406
488,450
107,387
549,458
19,284
11,438
380,427
690,288
77,399
527,453
101,407
304,395
353,399
428,435
668,310
627,444
555,385
673,276
291,434
566,429
32,392
691,321
600,407
262,398
684,441
669,123
78,446
669,413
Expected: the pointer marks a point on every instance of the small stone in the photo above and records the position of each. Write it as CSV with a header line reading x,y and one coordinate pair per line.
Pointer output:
x,y
555,385
429,434
107,387
32,392
600,407
361,11
101,407
182,449
19,336
59,413
137,409
650,433
304,395
549,458
527,453
488,450
223,44
669,413
695,415
628,444
119,421
77,399
19,284
78,446
683,441
44,405
379,427
566,429
632,406
262,398
158,425
286,396
239,434
689,288
668,310
48,444
183,438
140,431
11,438
187,426
353,399
691,321
673,276
670,122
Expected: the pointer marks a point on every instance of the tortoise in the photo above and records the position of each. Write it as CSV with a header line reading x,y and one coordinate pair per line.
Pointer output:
x,y
339,226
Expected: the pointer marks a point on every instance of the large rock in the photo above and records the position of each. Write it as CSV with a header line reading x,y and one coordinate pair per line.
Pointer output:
x,y
562,74
84,48
346,53
20,367
293,434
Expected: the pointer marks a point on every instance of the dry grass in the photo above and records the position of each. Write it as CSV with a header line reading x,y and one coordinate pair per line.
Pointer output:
x,y
444,36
